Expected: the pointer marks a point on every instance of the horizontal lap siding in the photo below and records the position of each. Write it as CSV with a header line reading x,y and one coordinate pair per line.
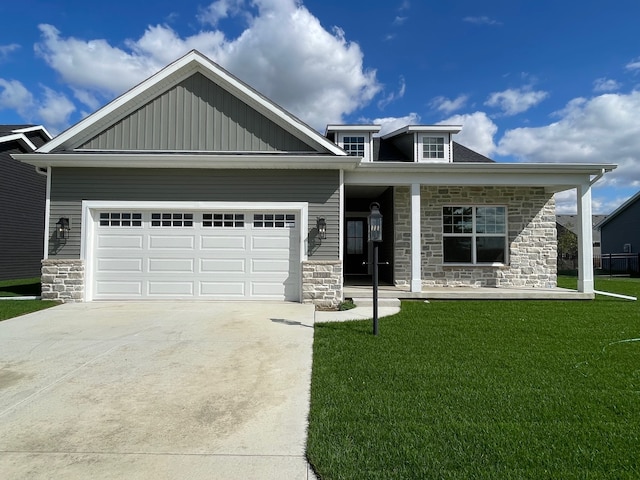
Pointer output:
x,y
22,203
320,188
197,115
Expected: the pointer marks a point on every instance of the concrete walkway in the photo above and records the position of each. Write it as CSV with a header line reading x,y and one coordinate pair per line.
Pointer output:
x,y
156,390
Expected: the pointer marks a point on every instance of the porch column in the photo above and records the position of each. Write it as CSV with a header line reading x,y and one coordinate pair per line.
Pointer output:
x,y
416,247
585,239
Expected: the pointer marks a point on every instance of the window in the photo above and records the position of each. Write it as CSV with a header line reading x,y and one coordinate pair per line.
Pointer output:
x,y
228,220
432,147
354,146
355,237
274,220
474,234
172,219
120,219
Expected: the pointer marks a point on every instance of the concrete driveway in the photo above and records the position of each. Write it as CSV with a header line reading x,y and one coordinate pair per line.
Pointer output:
x,y
170,390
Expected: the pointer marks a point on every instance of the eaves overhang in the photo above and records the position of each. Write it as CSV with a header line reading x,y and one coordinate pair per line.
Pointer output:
x,y
20,138
190,160
554,177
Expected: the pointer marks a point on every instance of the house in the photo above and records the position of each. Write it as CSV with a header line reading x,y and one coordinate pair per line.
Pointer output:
x,y
567,233
22,202
620,238
194,185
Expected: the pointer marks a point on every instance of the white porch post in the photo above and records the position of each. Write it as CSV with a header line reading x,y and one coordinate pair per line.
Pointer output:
x,y
416,247
585,239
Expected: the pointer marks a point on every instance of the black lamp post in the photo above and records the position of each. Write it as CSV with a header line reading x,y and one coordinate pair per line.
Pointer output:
x,y
375,236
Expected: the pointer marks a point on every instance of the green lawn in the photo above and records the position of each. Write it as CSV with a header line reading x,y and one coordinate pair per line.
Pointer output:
x,y
18,288
472,389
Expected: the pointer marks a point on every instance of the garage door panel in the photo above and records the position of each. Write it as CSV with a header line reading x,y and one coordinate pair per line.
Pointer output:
x,y
170,289
119,265
226,243
171,242
209,256
223,265
223,289
119,242
119,288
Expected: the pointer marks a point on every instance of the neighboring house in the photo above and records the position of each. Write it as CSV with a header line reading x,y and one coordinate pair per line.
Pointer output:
x,y
620,231
567,228
194,185
22,203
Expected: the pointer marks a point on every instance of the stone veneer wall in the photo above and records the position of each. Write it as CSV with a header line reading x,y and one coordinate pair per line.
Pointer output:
x,y
532,237
62,280
322,283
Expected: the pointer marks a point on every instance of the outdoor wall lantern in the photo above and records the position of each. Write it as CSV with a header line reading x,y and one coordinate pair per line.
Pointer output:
x,y
321,225
62,228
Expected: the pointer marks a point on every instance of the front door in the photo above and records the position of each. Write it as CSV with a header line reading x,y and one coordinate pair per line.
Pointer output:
x,y
356,253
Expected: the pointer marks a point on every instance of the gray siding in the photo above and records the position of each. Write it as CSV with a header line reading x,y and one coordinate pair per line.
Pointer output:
x,y
72,185
199,115
623,228
22,204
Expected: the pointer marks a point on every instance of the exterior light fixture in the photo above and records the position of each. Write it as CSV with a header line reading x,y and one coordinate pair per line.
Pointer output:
x,y
321,225
62,228
375,223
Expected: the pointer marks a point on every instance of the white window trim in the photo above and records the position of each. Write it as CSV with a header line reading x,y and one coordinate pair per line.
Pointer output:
x,y
368,146
448,150
474,235
91,212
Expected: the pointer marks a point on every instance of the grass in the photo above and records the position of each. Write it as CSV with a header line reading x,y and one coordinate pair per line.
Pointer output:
x,y
18,288
486,390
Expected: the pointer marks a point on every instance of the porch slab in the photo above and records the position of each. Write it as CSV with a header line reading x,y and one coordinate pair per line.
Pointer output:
x,y
467,293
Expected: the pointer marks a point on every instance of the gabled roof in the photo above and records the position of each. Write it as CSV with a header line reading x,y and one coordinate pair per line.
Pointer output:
x,y
424,129
21,134
462,154
193,62
619,210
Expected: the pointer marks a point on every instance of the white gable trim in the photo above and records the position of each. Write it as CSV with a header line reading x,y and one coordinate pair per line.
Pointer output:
x,y
20,138
173,74
35,128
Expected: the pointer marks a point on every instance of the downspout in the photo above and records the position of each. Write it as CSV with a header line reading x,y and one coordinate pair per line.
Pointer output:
x,y
47,205
597,177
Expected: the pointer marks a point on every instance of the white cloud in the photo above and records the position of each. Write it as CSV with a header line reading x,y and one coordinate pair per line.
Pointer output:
x,y
603,129
389,124
633,65
605,85
448,106
220,9
284,53
477,133
482,20
55,110
513,101
393,95
15,96
399,21
6,50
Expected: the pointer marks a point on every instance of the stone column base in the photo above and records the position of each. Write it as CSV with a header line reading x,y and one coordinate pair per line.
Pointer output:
x,y
322,283
63,280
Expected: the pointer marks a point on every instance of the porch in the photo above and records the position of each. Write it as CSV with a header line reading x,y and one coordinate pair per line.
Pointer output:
x,y
365,290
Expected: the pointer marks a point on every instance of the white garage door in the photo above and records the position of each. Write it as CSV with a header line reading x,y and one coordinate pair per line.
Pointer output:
x,y
160,254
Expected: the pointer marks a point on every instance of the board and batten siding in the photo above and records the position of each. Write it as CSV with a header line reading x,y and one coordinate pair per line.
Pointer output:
x,y
197,115
320,188
22,205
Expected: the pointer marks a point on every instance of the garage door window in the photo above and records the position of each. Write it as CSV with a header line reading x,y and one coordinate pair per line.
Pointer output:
x,y
274,220
172,219
223,220
120,219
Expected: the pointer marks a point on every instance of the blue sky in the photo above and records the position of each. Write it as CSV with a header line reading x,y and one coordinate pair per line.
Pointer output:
x,y
543,81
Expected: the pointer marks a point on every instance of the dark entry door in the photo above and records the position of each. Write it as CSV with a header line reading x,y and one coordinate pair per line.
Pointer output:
x,y
355,248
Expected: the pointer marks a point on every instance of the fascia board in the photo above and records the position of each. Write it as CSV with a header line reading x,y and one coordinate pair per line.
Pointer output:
x,y
36,128
107,160
425,129
553,176
353,128
20,138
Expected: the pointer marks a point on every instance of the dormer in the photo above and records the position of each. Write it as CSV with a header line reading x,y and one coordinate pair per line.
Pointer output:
x,y
356,140
425,143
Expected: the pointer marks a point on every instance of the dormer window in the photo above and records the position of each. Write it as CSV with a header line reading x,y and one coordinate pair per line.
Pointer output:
x,y
433,147
354,146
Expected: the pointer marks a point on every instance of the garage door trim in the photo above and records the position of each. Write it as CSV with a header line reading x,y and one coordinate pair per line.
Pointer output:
x,y
91,208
